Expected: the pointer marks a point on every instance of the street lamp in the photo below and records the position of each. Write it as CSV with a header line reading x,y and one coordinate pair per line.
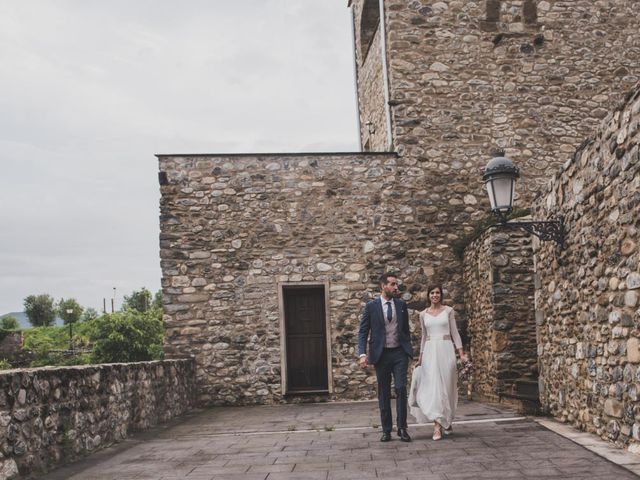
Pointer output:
x,y
69,312
500,177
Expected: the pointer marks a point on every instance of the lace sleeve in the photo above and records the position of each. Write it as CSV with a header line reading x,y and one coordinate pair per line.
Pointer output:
x,y
453,328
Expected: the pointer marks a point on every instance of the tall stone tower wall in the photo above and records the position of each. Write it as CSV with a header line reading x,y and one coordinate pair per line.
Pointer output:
x,y
466,76
370,76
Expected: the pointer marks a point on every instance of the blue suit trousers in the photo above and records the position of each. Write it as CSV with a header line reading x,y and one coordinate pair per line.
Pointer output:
x,y
393,362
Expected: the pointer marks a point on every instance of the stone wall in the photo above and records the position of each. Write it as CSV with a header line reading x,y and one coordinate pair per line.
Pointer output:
x,y
373,121
499,291
234,228
466,76
478,296
533,77
10,344
587,303
51,416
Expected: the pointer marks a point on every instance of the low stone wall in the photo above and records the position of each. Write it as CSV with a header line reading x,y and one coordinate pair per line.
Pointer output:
x,y
499,291
587,303
51,416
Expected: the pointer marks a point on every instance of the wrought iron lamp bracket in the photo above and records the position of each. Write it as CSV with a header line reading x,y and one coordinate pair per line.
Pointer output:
x,y
545,230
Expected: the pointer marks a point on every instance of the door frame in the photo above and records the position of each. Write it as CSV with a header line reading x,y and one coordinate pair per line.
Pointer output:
x,y
283,332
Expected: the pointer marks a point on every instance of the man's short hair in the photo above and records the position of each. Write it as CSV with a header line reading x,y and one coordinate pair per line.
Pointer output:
x,y
385,277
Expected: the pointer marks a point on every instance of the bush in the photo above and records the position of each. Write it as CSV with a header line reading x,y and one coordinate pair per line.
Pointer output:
x,y
128,336
58,337
44,341
41,340
9,323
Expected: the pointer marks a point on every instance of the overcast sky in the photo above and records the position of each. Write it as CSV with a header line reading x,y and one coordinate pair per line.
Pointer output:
x,y
90,90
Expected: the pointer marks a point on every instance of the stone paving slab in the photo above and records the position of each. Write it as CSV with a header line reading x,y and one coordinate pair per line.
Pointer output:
x,y
595,444
340,441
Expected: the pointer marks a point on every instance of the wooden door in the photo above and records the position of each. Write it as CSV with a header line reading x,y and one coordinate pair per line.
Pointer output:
x,y
306,340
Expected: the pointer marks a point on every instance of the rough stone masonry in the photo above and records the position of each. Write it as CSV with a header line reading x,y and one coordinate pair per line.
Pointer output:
x,y
440,84
587,302
462,77
235,228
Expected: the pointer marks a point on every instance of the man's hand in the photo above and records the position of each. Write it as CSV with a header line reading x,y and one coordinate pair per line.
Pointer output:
x,y
363,362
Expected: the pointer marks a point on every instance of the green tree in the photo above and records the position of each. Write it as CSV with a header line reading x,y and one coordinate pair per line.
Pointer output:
x,y
128,336
40,310
9,323
139,300
69,310
157,300
89,314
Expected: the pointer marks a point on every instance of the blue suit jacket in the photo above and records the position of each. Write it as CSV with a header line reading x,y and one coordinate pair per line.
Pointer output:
x,y
372,327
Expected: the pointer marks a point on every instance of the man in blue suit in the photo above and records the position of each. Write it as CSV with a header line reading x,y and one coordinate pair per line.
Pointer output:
x,y
385,324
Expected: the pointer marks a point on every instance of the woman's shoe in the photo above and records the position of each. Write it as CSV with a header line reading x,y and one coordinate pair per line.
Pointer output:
x,y
437,432
448,431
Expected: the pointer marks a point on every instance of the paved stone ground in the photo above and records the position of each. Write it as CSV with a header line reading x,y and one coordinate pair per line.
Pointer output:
x,y
340,441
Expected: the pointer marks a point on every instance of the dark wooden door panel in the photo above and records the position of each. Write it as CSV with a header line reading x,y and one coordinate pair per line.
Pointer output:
x,y
305,339
307,366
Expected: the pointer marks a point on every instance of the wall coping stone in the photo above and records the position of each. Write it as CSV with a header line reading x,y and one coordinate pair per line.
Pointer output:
x,y
276,155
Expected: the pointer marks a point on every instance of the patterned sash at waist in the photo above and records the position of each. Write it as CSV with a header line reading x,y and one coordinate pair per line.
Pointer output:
x,y
439,337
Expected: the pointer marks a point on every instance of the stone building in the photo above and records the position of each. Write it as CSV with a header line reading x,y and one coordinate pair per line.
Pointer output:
x,y
268,259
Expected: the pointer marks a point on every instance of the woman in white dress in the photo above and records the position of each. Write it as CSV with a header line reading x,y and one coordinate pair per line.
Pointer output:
x,y
436,396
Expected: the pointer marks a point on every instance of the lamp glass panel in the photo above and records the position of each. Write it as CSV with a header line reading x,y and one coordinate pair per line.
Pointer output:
x,y
502,189
491,193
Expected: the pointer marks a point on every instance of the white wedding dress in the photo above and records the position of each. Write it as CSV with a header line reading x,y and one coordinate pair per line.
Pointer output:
x,y
434,390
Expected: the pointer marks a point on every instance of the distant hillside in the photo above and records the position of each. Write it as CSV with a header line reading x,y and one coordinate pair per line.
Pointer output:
x,y
24,321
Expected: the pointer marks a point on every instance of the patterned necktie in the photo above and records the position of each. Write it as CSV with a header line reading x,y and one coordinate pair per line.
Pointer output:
x,y
389,312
